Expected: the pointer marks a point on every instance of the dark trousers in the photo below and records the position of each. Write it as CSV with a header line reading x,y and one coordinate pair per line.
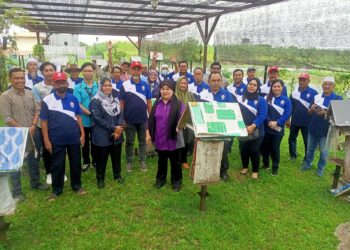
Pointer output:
x,y
176,171
40,147
58,167
224,160
130,132
292,139
102,154
184,152
86,148
271,147
250,150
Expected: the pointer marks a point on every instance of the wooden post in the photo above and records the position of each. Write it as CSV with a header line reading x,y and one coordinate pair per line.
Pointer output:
x,y
203,194
3,229
346,173
336,176
38,37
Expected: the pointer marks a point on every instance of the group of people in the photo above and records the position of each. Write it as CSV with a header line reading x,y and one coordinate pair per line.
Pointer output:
x,y
88,119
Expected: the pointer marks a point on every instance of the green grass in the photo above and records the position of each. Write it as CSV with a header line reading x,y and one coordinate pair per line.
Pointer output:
x,y
291,211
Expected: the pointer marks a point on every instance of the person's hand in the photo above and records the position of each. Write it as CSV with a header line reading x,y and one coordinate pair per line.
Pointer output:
x,y
272,124
117,132
173,59
250,128
82,140
48,146
148,138
288,124
321,112
109,45
32,131
155,55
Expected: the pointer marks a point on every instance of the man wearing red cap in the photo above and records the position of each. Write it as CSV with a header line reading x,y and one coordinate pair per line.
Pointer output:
x,y
135,99
302,97
273,74
63,132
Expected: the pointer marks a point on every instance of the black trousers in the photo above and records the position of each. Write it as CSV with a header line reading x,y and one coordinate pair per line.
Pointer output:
x,y
224,160
271,147
40,148
58,167
292,139
250,150
102,154
184,152
176,170
86,148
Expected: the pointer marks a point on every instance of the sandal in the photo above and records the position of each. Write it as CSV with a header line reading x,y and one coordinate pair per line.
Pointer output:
x,y
81,191
244,171
255,176
52,197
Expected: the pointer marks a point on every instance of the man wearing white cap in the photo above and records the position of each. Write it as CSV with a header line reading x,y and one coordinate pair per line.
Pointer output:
x,y
318,127
32,77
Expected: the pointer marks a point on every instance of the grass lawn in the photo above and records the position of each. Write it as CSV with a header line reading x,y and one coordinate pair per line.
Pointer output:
x,y
293,210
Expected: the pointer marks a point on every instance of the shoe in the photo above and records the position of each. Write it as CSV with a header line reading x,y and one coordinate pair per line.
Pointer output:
x,y
48,179
177,188
305,168
244,171
224,177
274,173
52,197
255,176
42,187
266,167
129,167
144,167
85,167
65,178
159,184
185,166
319,173
100,184
80,191
120,180
94,165
19,198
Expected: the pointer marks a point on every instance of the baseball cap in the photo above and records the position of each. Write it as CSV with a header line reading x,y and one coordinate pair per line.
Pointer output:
x,y
250,68
59,76
273,68
304,76
329,79
135,64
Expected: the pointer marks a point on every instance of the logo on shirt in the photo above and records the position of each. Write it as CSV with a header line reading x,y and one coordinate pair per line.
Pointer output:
x,y
282,102
241,90
256,102
71,104
308,96
143,88
222,97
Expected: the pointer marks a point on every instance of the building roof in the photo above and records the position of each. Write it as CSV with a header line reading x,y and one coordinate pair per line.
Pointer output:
x,y
124,17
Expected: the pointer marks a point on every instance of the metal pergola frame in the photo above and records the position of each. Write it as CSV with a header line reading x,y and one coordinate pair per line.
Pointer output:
x,y
129,17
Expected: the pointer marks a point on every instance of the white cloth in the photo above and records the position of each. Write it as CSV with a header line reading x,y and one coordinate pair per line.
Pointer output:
x,y
7,204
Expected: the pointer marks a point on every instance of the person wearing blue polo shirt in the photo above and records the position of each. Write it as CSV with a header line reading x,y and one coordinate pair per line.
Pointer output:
x,y
237,88
84,92
74,78
302,97
318,126
198,85
183,66
278,113
135,100
117,83
63,132
251,73
273,74
254,112
32,76
218,94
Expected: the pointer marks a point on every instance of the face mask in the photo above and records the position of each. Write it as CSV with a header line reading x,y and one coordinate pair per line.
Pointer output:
x,y
164,72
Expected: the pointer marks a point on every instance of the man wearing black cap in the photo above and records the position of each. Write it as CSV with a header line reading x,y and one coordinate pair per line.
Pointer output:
x,y
251,73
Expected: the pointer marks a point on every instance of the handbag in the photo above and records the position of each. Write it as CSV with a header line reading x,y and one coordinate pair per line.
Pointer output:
x,y
250,137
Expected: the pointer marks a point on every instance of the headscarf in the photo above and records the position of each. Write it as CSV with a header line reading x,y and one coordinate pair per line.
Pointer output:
x,y
109,103
184,96
256,94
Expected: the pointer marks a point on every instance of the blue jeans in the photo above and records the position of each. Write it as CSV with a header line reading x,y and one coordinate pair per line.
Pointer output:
x,y
312,143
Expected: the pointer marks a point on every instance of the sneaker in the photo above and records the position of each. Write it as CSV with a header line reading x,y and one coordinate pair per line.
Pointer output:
x,y
144,167
65,178
129,167
48,179
85,167
42,187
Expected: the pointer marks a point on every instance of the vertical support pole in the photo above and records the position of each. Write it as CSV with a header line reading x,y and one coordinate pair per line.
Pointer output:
x,y
38,37
139,44
336,177
203,195
346,173
205,56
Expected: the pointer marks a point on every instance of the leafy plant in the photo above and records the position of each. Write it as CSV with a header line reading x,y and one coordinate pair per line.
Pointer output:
x,y
39,52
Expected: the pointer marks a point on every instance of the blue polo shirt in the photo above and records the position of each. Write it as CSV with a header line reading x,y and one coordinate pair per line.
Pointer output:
x,y
60,113
265,89
221,96
189,77
318,125
254,111
237,91
84,94
117,85
301,101
135,97
73,82
197,88
279,109
30,81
